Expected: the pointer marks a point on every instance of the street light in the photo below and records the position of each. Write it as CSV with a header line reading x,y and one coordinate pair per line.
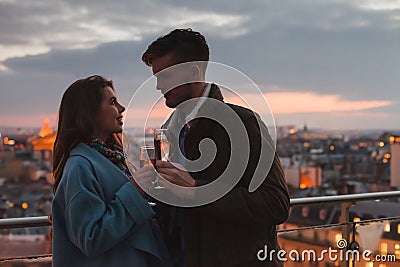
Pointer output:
x,y
24,205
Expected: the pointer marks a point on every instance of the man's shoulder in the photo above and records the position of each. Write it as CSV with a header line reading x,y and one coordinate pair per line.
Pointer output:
x,y
242,112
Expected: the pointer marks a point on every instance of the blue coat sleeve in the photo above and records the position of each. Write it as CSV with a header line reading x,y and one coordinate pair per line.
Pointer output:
x,y
93,225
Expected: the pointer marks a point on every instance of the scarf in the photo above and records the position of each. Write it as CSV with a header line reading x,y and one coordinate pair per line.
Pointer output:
x,y
112,152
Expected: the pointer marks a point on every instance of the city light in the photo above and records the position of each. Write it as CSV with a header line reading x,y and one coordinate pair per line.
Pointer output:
x,y
303,186
331,147
24,205
362,144
8,141
387,227
338,237
381,144
392,139
11,142
387,156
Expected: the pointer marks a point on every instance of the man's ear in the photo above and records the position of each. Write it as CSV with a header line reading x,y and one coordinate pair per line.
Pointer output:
x,y
196,73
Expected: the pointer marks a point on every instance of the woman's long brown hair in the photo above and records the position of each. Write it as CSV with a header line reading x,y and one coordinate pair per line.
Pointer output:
x,y
77,120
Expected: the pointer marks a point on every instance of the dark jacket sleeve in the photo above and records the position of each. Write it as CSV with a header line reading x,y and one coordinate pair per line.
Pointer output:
x,y
269,203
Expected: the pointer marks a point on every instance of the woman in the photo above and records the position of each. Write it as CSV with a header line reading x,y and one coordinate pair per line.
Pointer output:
x,y
100,218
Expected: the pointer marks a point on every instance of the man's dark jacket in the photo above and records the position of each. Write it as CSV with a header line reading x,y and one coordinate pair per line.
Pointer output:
x,y
231,230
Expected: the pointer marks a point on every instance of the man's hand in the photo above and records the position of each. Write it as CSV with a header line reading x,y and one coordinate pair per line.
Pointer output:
x,y
175,173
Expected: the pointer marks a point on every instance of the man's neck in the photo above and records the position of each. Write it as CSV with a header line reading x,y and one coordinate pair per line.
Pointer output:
x,y
198,90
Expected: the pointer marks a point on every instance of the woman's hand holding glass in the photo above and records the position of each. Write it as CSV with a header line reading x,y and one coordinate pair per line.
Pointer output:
x,y
146,175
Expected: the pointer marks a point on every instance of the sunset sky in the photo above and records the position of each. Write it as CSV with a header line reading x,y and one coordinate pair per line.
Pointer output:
x,y
328,64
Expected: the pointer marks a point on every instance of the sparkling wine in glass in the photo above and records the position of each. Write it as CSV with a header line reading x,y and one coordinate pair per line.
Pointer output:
x,y
161,147
147,157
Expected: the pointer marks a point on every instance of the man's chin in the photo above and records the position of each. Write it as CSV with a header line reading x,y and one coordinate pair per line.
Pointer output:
x,y
169,104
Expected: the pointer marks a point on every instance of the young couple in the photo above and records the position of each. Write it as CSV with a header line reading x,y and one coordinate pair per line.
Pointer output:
x,y
100,215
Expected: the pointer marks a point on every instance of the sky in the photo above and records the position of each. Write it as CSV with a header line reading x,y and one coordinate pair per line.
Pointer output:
x,y
330,64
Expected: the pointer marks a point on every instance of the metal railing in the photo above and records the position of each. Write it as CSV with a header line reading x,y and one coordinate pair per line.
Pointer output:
x,y
346,202
11,223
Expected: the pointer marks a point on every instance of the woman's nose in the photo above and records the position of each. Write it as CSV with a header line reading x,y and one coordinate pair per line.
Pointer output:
x,y
121,108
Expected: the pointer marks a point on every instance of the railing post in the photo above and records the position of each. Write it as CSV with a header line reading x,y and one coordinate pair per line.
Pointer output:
x,y
346,227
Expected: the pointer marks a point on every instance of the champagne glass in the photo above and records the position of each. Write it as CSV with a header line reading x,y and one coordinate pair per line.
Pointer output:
x,y
147,157
161,146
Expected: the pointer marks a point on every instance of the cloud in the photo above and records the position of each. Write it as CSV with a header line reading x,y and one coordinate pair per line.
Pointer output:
x,y
340,121
47,25
379,5
307,102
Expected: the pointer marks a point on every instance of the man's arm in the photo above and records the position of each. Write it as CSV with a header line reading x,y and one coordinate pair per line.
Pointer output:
x,y
269,204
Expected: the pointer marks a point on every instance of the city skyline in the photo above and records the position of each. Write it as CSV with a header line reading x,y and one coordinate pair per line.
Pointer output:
x,y
331,65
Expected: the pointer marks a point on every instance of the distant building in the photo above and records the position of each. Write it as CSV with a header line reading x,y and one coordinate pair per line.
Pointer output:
x,y
12,166
395,165
381,237
17,141
1,143
304,176
43,143
46,129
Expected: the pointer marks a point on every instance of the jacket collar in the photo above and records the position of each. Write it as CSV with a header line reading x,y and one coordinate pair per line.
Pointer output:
x,y
175,125
92,155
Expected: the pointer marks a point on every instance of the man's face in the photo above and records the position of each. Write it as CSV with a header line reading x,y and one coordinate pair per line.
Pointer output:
x,y
172,82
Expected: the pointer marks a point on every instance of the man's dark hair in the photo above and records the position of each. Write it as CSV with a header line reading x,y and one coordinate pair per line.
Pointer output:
x,y
186,45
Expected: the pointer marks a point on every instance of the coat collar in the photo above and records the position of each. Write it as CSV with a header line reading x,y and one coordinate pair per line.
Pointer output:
x,y
93,156
84,150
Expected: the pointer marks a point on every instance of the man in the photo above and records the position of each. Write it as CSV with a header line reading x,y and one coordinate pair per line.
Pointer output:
x,y
231,230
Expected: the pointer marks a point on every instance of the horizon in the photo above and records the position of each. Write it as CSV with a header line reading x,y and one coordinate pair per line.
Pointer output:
x,y
299,128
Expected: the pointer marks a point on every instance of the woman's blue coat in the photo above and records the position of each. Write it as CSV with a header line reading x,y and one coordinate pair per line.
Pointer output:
x,y
100,218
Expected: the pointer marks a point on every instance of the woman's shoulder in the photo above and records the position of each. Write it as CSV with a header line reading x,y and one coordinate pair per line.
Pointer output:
x,y
82,149
80,157
79,170
83,153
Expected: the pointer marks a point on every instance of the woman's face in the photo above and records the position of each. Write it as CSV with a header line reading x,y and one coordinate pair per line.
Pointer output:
x,y
109,118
